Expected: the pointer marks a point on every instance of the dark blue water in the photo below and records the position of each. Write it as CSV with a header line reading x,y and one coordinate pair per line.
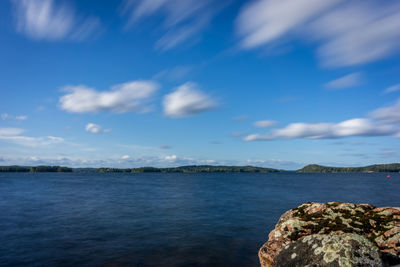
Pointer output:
x,y
71,219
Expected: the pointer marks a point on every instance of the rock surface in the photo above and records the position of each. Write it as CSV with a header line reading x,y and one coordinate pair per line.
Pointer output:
x,y
330,250
379,225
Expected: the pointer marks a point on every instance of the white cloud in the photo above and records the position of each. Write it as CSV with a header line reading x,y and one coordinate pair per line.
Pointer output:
x,y
347,81
240,118
383,121
13,135
264,124
359,32
10,131
21,117
352,127
264,21
238,134
348,32
184,19
390,114
96,129
171,158
391,89
187,100
121,98
125,157
6,116
44,20
174,74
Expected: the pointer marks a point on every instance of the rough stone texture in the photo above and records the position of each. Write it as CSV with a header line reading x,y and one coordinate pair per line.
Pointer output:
x,y
380,225
330,250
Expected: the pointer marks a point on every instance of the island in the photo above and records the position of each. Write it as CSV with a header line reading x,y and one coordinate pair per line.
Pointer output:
x,y
35,169
194,169
314,168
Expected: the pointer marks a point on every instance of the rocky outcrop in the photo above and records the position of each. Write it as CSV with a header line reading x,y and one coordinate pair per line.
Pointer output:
x,y
381,226
330,250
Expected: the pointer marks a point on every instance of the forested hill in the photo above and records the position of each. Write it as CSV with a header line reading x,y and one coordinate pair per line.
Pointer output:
x,y
194,169
34,169
314,168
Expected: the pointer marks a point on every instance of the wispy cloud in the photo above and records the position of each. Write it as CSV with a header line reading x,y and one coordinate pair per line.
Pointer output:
x,y
187,100
264,124
184,19
14,135
240,118
380,122
10,131
391,89
389,114
96,129
6,116
353,127
126,97
347,81
264,21
45,20
238,134
348,32
175,73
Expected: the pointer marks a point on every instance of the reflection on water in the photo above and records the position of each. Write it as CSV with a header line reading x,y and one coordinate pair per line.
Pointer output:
x,y
71,219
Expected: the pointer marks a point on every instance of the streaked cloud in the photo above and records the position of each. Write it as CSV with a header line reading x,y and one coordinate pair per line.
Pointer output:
x,y
347,32
46,20
126,97
347,81
240,118
391,89
264,124
21,117
14,135
353,127
171,158
10,131
96,129
125,157
238,134
263,21
6,116
184,19
380,122
175,73
389,114
187,100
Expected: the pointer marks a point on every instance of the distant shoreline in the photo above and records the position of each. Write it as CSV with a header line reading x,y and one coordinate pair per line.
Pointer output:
x,y
312,168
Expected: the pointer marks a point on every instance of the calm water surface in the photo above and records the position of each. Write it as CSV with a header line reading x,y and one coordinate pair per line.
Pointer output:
x,y
72,219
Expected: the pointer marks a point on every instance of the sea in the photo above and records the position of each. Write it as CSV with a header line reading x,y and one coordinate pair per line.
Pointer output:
x,y
162,219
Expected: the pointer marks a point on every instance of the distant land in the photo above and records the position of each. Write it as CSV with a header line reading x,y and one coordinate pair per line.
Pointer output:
x,y
312,168
195,168
35,169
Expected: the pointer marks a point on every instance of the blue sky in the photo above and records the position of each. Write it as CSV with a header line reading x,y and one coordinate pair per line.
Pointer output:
x,y
165,83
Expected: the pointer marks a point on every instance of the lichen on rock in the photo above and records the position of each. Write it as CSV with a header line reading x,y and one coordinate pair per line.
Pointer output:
x,y
381,226
330,250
